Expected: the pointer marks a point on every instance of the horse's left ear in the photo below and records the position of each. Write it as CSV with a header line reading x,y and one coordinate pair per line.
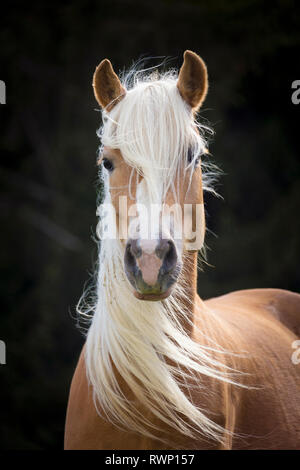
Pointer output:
x,y
108,89
192,80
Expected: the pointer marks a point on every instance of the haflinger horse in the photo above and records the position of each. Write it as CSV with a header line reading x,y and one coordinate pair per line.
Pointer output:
x,y
161,368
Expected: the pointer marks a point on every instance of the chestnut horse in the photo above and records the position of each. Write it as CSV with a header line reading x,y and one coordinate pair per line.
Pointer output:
x,y
161,368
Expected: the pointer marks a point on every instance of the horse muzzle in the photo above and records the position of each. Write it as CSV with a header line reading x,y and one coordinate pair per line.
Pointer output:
x,y
152,267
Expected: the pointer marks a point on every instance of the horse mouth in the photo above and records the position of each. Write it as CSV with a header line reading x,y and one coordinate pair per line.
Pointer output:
x,y
152,275
159,291
152,297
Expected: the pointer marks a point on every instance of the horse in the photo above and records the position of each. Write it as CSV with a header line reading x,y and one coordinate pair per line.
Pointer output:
x,y
161,368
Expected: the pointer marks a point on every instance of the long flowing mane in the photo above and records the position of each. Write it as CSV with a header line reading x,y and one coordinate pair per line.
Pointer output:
x,y
143,342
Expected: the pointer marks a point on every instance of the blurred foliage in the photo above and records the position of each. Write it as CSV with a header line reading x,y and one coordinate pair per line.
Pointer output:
x,y
48,173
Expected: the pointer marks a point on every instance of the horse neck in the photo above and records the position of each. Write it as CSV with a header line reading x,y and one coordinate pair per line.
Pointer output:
x,y
190,297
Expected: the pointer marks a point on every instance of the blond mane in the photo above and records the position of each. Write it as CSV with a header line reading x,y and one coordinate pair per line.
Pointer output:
x,y
153,128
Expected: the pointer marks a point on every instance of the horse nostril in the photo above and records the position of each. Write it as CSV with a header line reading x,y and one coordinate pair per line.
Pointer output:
x,y
132,252
151,266
166,250
135,247
129,258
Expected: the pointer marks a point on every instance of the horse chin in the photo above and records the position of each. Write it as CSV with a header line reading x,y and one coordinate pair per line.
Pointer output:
x,y
153,297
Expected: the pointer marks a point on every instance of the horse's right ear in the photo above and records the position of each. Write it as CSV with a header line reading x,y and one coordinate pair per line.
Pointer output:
x,y
192,80
108,89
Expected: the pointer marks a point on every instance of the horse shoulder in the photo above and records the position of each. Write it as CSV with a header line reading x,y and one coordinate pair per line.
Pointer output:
x,y
78,410
86,429
266,322
282,305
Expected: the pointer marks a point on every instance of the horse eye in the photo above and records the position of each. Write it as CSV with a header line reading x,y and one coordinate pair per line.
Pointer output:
x,y
108,165
190,157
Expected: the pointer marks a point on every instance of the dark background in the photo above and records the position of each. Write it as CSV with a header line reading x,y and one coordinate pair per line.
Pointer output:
x,y
48,173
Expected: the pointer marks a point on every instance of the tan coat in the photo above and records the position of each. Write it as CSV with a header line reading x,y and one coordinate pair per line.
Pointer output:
x,y
264,417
